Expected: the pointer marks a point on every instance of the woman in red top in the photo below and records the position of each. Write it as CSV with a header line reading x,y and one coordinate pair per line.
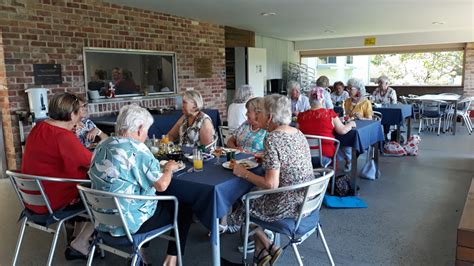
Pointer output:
x,y
322,122
52,149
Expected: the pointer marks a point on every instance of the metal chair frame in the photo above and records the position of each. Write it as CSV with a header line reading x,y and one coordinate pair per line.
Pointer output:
x,y
32,183
104,208
463,112
313,198
431,106
224,134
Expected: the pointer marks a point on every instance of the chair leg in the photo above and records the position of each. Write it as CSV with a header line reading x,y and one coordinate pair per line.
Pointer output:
x,y
297,254
323,239
90,258
246,239
439,125
468,126
18,242
178,244
421,125
134,260
55,241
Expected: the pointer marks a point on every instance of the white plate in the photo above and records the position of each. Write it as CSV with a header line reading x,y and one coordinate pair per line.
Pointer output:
x,y
205,157
248,164
181,165
225,150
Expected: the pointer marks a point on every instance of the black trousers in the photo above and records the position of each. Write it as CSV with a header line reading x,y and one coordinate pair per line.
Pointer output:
x,y
163,215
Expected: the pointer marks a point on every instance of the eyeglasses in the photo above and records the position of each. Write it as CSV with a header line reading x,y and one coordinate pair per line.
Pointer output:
x,y
84,105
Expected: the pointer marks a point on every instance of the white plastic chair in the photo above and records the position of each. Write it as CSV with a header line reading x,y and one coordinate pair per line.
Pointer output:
x,y
224,134
104,208
305,224
463,112
377,116
30,191
315,144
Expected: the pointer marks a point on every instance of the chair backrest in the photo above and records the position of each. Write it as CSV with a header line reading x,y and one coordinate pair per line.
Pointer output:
x,y
430,108
377,115
30,191
104,207
315,147
403,99
224,134
465,104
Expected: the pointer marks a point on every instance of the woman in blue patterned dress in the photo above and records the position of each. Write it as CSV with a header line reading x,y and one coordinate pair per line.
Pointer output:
x,y
249,136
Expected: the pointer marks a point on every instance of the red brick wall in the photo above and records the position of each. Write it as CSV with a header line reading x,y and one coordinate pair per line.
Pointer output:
x,y
469,71
55,31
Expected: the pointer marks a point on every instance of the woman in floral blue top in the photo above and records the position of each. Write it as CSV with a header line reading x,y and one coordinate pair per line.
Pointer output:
x,y
249,136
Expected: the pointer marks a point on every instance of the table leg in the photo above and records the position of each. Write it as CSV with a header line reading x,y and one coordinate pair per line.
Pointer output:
x,y
455,118
409,128
354,170
398,133
216,247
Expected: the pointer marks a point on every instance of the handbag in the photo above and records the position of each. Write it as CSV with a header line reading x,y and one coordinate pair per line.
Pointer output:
x,y
369,170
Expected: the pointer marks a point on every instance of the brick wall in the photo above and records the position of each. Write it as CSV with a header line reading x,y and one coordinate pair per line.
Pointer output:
x,y
469,71
55,31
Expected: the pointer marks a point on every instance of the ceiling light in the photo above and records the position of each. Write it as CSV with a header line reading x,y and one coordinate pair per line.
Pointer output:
x,y
329,31
266,14
437,22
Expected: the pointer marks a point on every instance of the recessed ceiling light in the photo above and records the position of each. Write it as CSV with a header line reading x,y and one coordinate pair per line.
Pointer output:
x,y
329,31
437,22
266,14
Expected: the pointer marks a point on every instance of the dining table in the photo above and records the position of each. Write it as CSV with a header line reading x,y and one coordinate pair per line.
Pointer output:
x,y
395,115
367,133
446,97
211,194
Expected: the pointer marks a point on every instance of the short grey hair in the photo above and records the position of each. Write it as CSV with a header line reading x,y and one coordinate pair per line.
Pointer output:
x,y
243,94
358,84
131,117
383,78
254,104
195,97
323,82
293,84
279,107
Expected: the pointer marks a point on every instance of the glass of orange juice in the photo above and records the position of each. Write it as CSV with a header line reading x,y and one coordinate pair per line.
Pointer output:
x,y
197,160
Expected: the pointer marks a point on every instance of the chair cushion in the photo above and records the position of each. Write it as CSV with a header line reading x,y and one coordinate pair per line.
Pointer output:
x,y
137,238
287,226
48,219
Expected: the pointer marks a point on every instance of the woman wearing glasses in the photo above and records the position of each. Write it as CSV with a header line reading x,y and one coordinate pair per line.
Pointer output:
x,y
86,130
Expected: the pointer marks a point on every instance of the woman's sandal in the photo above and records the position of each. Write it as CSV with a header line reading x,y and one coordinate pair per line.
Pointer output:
x,y
262,261
275,255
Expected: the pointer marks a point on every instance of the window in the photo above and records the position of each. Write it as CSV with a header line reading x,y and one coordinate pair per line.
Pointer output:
x,y
439,68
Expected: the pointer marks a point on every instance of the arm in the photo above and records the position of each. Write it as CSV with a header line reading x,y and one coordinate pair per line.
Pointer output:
x,y
393,99
340,128
206,133
232,142
271,179
173,134
165,179
328,101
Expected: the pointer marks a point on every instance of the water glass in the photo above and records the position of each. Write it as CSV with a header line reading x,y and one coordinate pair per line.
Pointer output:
x,y
197,160
218,153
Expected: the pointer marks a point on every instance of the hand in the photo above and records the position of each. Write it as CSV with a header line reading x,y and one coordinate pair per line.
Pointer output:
x,y
258,157
170,166
240,171
352,124
77,127
92,134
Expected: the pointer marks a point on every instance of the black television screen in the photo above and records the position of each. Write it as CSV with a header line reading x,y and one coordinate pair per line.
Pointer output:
x,y
129,72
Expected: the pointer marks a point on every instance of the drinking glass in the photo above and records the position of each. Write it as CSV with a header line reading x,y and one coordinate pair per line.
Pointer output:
x,y
197,160
218,153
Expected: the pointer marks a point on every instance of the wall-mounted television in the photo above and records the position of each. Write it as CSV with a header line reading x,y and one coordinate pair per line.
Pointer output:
x,y
129,72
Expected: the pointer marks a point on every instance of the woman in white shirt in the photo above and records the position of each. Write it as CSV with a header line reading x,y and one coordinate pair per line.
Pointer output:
x,y
236,113
383,93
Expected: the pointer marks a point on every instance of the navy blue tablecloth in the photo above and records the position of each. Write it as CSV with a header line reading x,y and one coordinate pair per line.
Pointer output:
x,y
211,192
395,114
162,122
366,133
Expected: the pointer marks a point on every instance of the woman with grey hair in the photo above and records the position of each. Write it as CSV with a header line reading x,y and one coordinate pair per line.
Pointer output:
x,y
323,82
286,161
299,102
194,127
357,106
383,93
237,110
124,164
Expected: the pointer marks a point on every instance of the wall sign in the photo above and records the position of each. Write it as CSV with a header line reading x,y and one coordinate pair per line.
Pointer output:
x,y
369,41
202,68
45,74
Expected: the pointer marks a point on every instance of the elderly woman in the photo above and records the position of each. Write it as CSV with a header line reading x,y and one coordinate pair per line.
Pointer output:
x,y
322,122
339,95
52,149
249,136
86,130
286,161
323,82
383,93
357,106
194,127
299,102
237,109
110,172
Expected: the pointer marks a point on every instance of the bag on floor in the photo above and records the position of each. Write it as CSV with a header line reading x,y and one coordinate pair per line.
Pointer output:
x,y
369,171
393,148
412,146
343,186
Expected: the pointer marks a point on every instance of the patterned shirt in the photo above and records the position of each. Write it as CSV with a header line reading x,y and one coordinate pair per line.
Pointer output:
x,y
82,133
339,99
124,165
390,96
248,139
189,135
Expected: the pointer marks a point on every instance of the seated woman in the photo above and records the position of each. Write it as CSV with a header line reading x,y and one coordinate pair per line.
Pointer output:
x,y
249,136
194,127
339,95
52,149
383,93
357,106
110,171
323,82
322,122
86,130
236,112
286,161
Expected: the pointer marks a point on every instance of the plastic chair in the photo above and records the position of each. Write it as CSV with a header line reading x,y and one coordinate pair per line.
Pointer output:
x,y
377,115
463,109
30,191
104,208
315,142
299,229
430,111
224,134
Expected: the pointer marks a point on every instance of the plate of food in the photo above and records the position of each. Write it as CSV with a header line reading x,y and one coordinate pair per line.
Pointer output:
x,y
181,165
226,150
205,157
246,163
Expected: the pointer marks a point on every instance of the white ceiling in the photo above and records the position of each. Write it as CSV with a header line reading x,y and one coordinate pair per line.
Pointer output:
x,y
309,19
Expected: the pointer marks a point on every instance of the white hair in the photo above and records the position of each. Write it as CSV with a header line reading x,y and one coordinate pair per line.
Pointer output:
x,y
293,84
358,84
131,118
195,97
383,78
279,107
243,94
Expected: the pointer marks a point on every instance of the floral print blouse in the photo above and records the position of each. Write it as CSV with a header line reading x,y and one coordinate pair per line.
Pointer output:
x,y
248,139
189,135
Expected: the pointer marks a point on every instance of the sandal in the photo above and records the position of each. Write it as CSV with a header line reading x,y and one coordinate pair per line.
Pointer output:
x,y
262,261
275,255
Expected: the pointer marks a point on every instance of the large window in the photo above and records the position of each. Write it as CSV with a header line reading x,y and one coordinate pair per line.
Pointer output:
x,y
441,68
